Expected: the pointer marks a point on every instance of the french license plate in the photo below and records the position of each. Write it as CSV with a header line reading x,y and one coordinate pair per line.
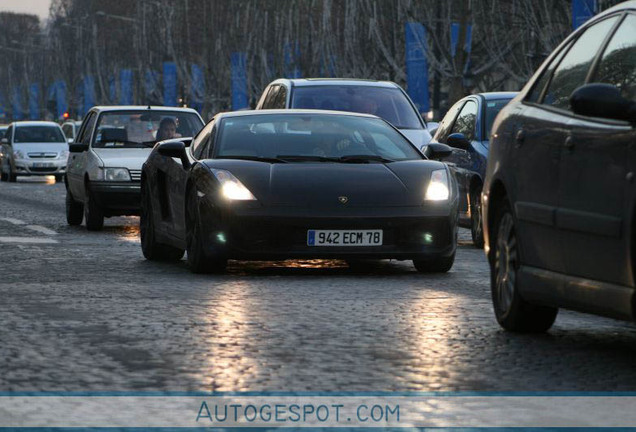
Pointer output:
x,y
344,238
42,165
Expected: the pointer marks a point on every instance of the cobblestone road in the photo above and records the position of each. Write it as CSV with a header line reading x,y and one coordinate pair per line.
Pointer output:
x,y
84,311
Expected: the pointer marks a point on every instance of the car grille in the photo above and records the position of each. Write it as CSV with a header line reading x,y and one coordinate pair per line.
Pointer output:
x,y
42,155
135,175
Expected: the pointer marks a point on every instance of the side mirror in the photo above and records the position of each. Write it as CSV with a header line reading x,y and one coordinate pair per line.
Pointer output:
x,y
436,151
458,140
604,101
174,149
77,147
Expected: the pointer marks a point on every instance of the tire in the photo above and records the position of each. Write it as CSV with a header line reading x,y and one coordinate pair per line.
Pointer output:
x,y
198,260
12,176
74,210
152,250
435,265
513,313
3,176
59,178
476,227
93,214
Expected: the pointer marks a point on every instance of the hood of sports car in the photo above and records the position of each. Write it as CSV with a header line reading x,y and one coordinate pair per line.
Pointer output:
x,y
324,185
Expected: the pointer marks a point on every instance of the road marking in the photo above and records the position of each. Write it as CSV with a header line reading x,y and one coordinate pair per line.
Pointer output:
x,y
13,221
41,229
28,240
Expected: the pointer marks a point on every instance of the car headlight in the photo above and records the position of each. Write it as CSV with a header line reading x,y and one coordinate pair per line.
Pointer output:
x,y
63,154
17,154
438,189
116,174
231,188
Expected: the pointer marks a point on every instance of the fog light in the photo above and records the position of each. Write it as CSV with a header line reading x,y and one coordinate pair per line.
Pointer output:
x,y
220,237
428,238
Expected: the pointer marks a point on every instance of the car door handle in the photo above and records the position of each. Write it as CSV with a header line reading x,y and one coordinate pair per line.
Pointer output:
x,y
569,143
521,136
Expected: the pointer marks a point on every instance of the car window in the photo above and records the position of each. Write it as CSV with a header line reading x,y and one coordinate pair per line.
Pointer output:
x,y
443,129
271,96
280,102
68,130
618,64
389,103
312,137
467,120
143,128
201,139
492,109
8,133
541,82
38,134
87,130
573,69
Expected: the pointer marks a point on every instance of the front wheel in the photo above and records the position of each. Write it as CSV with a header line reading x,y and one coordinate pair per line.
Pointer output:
x,y
59,178
512,311
199,260
93,213
476,228
74,210
151,249
435,265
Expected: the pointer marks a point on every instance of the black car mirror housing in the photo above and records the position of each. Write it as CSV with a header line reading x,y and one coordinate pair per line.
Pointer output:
x,y
77,147
458,140
436,151
603,101
174,149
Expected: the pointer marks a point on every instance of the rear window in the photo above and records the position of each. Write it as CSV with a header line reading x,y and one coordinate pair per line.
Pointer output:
x,y
38,134
388,103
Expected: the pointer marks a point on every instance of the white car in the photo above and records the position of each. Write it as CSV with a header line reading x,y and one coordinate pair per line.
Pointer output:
x,y
105,160
33,149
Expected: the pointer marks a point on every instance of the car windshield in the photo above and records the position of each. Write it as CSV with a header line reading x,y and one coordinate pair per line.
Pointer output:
x,y
143,128
492,109
312,138
3,131
38,134
389,103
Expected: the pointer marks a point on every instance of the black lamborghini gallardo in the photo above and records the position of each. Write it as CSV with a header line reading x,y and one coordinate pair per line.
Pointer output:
x,y
273,185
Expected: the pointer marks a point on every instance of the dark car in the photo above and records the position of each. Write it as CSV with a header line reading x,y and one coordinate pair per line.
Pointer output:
x,y
466,128
559,198
384,99
261,185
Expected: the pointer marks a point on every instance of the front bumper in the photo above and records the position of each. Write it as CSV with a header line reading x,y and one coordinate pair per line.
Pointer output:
x,y
261,234
117,198
30,167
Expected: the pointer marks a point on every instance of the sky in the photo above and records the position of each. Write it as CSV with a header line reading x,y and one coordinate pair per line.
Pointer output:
x,y
37,7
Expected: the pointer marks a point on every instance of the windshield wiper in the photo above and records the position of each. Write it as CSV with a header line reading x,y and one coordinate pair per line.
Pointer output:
x,y
308,158
364,159
254,158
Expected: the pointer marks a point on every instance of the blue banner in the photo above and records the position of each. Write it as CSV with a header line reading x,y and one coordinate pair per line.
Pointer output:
x,y
197,89
239,81
125,87
60,98
151,87
16,102
583,10
112,89
34,101
88,90
455,38
169,84
417,66
292,61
